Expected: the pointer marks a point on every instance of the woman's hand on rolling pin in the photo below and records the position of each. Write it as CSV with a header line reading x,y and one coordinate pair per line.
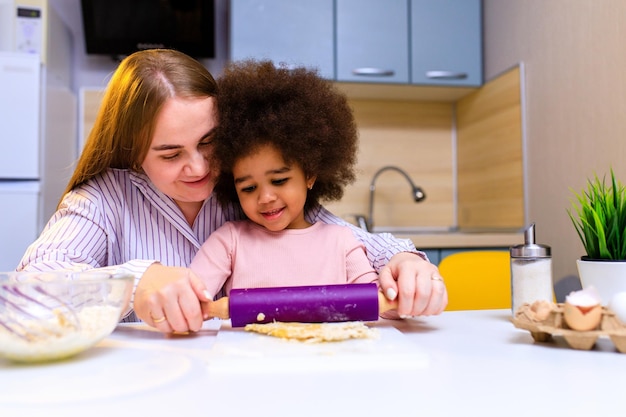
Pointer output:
x,y
219,309
169,298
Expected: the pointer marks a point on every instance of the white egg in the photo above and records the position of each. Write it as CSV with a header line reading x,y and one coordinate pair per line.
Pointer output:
x,y
618,306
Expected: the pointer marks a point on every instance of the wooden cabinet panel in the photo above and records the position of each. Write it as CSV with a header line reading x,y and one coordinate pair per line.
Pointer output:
x,y
490,156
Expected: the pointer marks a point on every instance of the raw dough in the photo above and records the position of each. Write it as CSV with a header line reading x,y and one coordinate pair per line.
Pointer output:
x,y
314,332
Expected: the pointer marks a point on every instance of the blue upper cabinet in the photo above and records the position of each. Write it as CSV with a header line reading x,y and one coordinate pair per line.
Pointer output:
x,y
289,32
446,42
372,41
405,42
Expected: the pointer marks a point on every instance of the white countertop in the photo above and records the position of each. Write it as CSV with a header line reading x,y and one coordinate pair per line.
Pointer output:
x,y
459,363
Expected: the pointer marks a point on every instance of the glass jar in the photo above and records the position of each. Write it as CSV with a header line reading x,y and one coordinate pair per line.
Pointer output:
x,y
531,272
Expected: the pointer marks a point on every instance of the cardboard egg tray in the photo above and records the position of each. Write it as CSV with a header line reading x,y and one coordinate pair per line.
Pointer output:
x,y
555,325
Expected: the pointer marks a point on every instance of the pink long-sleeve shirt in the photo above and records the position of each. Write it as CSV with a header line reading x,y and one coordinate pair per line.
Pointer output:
x,y
245,255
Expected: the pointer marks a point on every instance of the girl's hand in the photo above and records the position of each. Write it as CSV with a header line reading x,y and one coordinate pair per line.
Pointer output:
x,y
416,282
169,298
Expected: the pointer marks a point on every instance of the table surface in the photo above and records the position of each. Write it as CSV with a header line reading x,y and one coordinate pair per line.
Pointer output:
x,y
458,363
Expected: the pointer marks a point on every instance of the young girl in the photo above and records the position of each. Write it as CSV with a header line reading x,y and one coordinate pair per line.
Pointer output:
x,y
286,140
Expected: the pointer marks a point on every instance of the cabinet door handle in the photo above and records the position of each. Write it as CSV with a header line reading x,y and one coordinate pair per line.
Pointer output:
x,y
446,75
375,72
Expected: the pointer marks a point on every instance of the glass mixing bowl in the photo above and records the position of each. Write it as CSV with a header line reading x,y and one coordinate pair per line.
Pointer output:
x,y
53,315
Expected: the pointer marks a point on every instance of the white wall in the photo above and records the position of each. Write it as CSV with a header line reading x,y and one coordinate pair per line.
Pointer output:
x,y
575,63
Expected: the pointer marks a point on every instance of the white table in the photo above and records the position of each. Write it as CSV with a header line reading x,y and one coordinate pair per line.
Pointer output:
x,y
472,363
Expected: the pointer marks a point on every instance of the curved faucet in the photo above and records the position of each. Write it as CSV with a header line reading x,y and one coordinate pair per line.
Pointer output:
x,y
417,193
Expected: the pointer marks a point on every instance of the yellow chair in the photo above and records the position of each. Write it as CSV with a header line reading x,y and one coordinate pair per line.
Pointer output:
x,y
477,280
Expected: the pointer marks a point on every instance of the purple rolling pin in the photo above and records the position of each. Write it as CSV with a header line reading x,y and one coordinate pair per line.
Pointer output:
x,y
307,304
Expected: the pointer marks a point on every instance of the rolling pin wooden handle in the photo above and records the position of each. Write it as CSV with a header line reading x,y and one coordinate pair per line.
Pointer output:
x,y
220,308
385,305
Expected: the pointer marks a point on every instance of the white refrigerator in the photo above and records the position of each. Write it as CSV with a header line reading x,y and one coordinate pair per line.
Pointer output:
x,y
37,150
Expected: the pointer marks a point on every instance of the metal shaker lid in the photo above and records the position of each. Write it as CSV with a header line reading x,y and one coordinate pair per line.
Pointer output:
x,y
530,249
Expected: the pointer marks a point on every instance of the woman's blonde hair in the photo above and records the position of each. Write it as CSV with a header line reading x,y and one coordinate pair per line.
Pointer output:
x,y
123,129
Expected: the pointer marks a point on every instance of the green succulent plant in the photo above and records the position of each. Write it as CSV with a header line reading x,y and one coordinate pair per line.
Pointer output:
x,y
599,216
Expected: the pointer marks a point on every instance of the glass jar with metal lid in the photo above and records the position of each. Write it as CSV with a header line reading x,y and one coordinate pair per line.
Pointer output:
x,y
531,271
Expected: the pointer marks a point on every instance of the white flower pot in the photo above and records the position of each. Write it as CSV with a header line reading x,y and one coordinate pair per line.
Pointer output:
x,y
608,277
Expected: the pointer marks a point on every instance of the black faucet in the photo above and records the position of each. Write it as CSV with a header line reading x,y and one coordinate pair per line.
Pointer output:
x,y
417,194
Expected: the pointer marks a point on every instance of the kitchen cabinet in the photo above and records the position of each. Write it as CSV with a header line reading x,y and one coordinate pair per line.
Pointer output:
x,y
372,41
449,251
439,245
446,42
394,42
434,255
288,32
437,255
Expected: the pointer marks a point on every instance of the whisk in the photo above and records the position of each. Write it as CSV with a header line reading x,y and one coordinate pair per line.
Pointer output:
x,y
35,314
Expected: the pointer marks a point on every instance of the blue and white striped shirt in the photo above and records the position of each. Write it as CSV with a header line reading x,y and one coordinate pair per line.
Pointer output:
x,y
120,221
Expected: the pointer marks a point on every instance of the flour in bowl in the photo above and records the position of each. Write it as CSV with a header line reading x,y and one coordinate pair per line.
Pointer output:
x,y
59,337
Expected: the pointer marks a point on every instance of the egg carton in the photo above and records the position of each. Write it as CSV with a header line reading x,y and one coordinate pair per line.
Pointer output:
x,y
555,325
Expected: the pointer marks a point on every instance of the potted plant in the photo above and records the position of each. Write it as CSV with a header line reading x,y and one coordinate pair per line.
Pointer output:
x,y
599,216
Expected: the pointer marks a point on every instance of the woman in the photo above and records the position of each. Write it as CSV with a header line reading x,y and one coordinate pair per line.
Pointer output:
x,y
140,199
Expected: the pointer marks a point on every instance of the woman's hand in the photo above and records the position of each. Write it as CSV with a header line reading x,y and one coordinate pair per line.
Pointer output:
x,y
416,282
169,298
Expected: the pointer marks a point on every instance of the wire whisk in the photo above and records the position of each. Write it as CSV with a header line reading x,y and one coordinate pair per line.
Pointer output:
x,y
34,314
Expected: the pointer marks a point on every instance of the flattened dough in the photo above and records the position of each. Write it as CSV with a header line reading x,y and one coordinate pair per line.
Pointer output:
x,y
314,332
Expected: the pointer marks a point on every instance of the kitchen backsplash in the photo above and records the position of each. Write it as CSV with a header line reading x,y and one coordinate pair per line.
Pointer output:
x,y
416,137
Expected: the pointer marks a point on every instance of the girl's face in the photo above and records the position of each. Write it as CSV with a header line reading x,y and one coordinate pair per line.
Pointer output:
x,y
271,193
178,159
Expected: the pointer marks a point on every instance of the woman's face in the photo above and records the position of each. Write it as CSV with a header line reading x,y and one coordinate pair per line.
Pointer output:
x,y
178,159
270,192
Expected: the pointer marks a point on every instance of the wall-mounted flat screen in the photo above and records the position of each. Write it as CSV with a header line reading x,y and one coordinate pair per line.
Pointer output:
x,y
121,27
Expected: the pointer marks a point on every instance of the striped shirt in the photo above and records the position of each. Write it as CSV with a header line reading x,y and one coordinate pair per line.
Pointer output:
x,y
121,222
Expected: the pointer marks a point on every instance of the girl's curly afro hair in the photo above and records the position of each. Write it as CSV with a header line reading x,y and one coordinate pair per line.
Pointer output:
x,y
302,115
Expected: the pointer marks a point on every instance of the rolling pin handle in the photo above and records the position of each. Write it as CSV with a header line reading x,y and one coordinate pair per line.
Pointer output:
x,y
385,305
217,309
